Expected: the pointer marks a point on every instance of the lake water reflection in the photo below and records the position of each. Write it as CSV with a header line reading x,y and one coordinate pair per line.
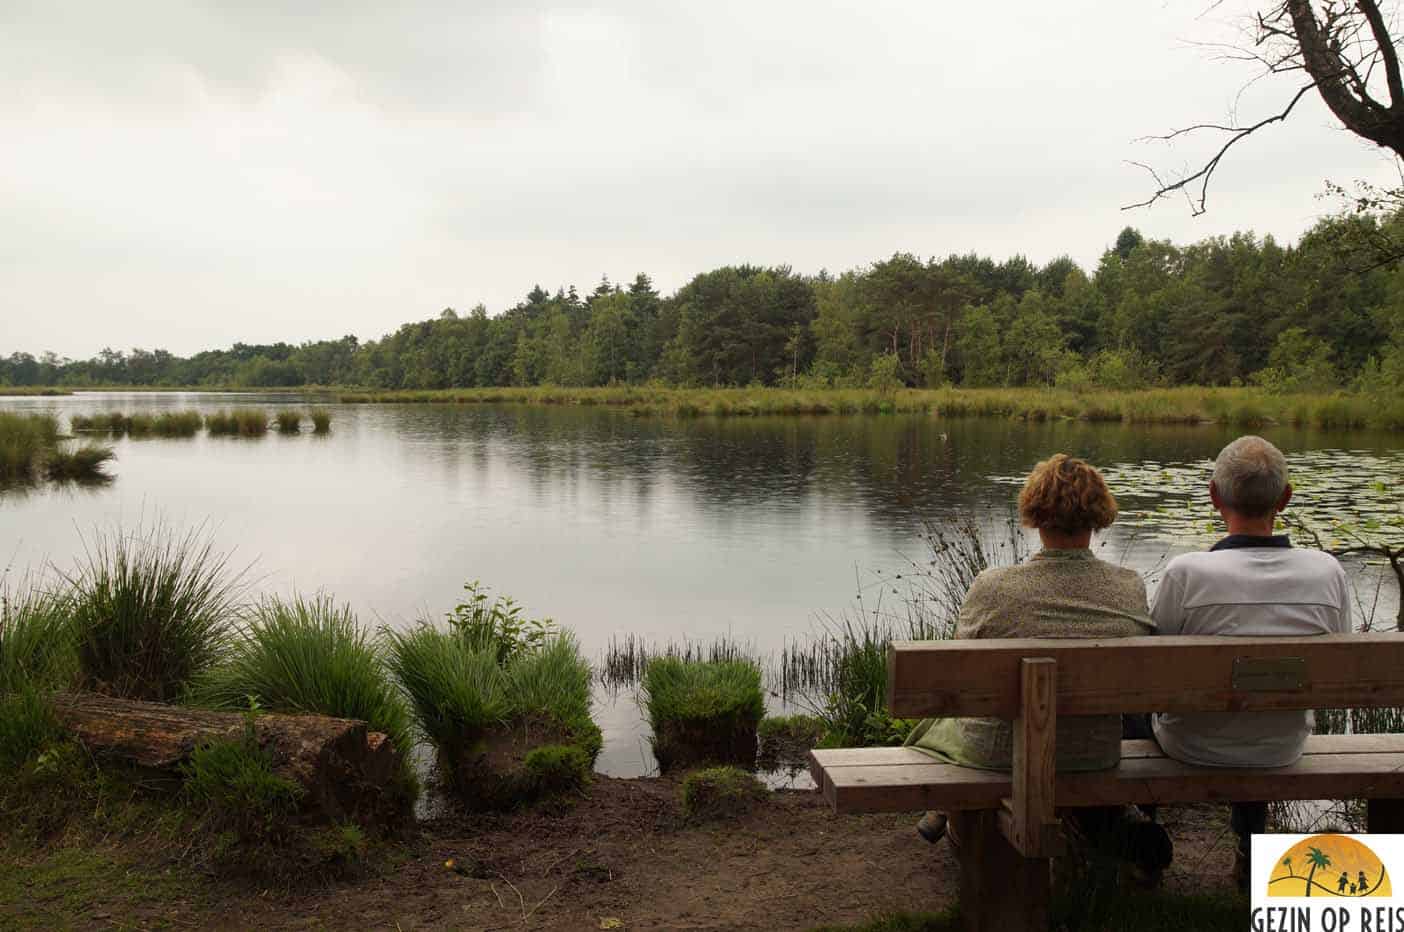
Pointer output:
x,y
609,523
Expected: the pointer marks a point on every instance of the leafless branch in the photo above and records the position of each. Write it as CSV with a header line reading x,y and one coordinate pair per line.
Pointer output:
x,y
1203,176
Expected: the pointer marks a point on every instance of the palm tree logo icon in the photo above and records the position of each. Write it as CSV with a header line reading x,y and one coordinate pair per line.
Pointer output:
x,y
1320,857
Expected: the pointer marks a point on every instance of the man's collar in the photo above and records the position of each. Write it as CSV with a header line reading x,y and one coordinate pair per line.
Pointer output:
x,y
1242,541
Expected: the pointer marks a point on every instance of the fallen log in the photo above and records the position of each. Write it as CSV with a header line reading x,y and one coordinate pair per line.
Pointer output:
x,y
346,771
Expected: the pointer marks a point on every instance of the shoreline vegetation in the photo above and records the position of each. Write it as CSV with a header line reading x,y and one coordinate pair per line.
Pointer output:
x,y
1239,407
502,701
1186,405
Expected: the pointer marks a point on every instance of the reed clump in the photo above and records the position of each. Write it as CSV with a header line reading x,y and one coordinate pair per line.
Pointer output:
x,y
80,464
152,611
321,420
490,717
289,421
177,424
242,422
1239,407
25,441
702,712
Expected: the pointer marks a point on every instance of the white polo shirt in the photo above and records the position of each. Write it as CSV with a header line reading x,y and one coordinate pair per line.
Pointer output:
x,y
1247,587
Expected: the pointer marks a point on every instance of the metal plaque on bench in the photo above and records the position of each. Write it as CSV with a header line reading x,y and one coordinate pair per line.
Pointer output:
x,y
1269,674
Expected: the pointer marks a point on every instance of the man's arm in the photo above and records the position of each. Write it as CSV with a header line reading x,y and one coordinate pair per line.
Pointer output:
x,y
1168,613
1343,624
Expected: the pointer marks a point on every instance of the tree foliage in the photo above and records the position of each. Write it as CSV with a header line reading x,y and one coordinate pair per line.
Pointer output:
x,y
1221,311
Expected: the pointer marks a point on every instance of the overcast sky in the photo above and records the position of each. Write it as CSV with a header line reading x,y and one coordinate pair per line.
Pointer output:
x,y
188,174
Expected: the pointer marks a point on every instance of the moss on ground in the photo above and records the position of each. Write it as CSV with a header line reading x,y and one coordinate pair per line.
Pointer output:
x,y
720,793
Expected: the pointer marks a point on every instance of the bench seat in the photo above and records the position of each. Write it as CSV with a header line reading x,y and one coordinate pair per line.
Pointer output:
x,y
855,780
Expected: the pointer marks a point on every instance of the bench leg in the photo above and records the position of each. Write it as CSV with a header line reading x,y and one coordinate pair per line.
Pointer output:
x,y
999,889
1384,816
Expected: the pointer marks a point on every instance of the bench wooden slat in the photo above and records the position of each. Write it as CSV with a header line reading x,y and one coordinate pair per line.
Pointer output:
x,y
1143,674
1334,767
1316,744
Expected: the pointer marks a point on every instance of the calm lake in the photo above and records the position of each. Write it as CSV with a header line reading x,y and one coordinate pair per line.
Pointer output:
x,y
613,525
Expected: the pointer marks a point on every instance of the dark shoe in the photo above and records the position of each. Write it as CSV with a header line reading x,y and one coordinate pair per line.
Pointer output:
x,y
932,826
1143,844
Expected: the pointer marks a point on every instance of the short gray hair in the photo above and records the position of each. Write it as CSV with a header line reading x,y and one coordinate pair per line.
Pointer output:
x,y
1250,476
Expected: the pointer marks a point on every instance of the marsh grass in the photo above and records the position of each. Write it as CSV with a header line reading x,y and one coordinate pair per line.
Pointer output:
x,y
306,656
1240,407
840,674
80,464
289,421
177,424
321,420
243,422
36,639
482,712
26,440
627,657
151,610
702,712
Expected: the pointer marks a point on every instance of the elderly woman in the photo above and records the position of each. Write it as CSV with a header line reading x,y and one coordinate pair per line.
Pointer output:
x,y
1063,591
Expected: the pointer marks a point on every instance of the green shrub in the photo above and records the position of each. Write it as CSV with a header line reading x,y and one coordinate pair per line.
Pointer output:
x,y
81,464
558,768
151,611
289,421
233,784
321,420
307,656
702,712
720,793
497,624
27,728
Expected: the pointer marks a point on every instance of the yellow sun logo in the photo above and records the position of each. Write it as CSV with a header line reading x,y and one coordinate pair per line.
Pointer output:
x,y
1328,865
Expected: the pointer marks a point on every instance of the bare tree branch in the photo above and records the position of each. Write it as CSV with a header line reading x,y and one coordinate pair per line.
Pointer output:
x,y
1238,133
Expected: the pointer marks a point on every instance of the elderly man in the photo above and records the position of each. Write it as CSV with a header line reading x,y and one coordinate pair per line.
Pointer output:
x,y
1252,583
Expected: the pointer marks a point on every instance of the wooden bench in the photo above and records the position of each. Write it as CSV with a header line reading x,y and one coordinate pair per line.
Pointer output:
x,y
1007,822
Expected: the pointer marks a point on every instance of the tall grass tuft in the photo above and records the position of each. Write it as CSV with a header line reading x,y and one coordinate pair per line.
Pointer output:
x,y
321,420
25,441
702,712
458,692
151,611
80,464
252,422
177,424
289,421
36,639
307,655
220,423
245,422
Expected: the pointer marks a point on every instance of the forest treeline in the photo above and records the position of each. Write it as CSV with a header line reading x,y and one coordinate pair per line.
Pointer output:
x,y
1222,311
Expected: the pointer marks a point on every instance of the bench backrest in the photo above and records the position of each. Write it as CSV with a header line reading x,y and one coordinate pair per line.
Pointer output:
x,y
1149,674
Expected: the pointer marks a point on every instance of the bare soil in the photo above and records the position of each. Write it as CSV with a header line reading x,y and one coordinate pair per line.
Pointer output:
x,y
619,857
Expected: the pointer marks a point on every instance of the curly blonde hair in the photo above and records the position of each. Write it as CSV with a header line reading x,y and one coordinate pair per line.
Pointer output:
x,y
1066,494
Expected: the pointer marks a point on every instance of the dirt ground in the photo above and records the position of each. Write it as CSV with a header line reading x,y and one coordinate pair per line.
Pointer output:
x,y
619,858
